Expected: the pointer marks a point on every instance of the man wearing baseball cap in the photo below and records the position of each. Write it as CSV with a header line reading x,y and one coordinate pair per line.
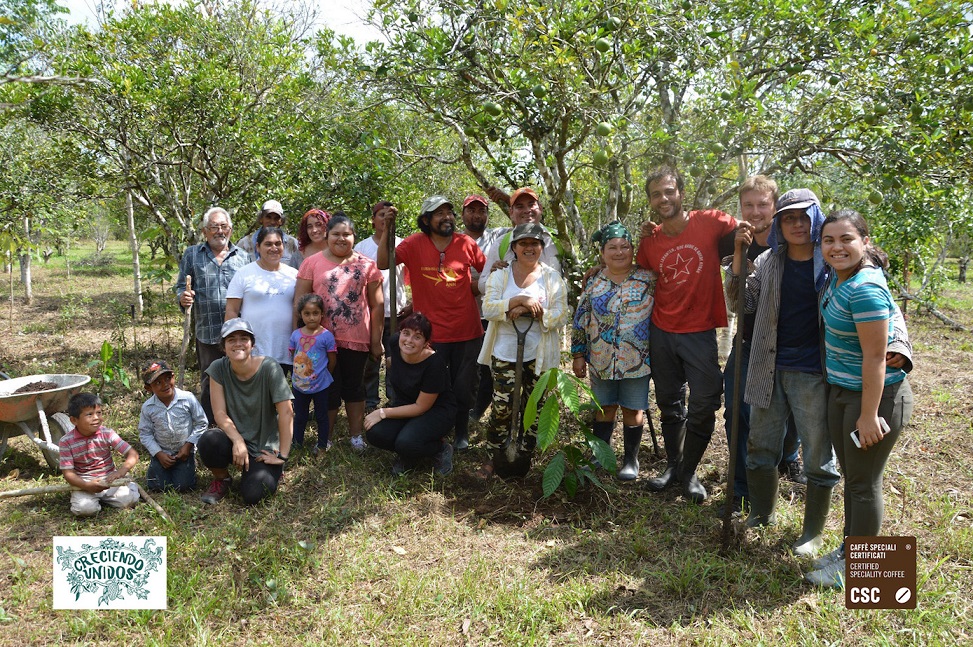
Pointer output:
x,y
525,207
170,424
271,214
476,213
440,261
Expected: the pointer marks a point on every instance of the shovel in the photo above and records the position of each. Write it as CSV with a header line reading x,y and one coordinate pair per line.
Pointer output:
x,y
512,460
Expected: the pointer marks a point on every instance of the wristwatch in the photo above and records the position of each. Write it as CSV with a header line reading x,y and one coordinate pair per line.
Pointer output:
x,y
282,457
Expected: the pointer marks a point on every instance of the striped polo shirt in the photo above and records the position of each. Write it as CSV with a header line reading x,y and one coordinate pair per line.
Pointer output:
x,y
90,456
862,298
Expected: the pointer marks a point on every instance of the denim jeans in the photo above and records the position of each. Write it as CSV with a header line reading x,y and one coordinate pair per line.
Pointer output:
x,y
181,477
791,445
805,395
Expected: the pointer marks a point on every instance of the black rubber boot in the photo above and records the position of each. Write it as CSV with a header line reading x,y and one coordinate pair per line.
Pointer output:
x,y
673,439
816,507
633,439
763,485
603,430
695,447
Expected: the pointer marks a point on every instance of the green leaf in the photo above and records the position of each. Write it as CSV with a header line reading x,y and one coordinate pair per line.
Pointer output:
x,y
553,474
603,452
571,481
568,390
530,409
548,425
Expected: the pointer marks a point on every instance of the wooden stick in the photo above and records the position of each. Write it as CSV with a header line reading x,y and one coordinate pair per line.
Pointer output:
x,y
186,330
51,489
151,502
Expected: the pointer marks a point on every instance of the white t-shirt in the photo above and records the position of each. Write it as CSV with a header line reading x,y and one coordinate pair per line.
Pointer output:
x,y
506,346
369,248
267,305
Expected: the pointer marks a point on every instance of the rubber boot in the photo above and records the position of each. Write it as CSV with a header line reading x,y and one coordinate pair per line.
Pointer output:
x,y
633,438
692,454
673,439
603,430
763,484
816,507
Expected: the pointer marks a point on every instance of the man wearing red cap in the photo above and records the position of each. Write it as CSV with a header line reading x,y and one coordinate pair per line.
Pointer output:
x,y
475,216
525,207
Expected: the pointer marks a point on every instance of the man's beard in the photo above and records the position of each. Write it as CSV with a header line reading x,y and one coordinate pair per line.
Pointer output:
x,y
445,228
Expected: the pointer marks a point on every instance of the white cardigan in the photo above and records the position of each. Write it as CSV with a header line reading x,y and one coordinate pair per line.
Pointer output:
x,y
555,315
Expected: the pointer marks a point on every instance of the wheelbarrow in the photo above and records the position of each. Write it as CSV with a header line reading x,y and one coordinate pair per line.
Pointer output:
x,y
32,413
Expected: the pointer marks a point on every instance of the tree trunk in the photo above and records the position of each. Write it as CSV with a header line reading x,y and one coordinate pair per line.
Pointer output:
x,y
963,264
25,266
136,265
25,278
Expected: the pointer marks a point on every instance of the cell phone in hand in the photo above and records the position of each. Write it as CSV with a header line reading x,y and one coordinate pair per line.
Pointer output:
x,y
856,437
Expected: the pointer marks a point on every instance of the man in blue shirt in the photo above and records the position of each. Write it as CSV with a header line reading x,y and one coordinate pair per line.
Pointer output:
x,y
211,265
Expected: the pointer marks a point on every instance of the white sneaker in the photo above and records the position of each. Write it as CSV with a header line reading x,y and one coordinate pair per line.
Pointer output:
x,y
827,560
831,576
358,443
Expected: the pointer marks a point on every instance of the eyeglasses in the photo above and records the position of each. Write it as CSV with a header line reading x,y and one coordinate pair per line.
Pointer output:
x,y
442,259
219,227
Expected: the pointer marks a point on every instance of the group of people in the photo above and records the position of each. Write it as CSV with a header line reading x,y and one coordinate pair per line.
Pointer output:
x,y
824,348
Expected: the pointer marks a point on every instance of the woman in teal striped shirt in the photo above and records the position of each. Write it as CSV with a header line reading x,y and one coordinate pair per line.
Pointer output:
x,y
865,394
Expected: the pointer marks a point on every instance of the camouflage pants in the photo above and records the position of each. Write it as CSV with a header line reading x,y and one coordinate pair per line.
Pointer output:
x,y
504,377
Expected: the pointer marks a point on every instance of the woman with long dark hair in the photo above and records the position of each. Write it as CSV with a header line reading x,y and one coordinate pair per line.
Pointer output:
x,y
869,402
354,311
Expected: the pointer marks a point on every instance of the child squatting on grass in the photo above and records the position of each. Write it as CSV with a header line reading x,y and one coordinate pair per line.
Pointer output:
x,y
86,459
171,422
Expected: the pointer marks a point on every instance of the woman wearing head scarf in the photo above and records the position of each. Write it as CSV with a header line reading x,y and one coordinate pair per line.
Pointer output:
x,y
611,335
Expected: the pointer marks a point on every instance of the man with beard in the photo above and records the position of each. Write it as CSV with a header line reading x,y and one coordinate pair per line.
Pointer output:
x,y
475,216
211,265
439,261
683,250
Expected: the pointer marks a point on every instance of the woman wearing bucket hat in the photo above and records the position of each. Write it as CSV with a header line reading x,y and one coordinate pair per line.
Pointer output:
x,y
526,288
252,406
611,334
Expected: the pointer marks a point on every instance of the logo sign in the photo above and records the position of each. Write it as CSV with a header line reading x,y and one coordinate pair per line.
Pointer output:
x,y
880,572
110,572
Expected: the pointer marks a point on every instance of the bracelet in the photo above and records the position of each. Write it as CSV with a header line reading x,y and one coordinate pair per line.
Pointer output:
x,y
381,414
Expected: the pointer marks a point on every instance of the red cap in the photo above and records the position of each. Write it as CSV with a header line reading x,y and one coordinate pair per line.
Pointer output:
x,y
525,190
475,198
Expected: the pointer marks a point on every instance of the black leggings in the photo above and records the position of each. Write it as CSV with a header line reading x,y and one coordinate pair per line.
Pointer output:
x,y
348,378
215,449
413,438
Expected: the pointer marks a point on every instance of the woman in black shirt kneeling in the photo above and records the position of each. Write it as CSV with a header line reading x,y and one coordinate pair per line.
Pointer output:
x,y
423,410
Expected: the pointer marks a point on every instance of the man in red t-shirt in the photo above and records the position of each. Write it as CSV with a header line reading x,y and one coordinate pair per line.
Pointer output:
x,y
439,260
683,250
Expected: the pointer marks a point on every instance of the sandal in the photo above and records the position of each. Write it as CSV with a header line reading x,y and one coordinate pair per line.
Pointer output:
x,y
485,473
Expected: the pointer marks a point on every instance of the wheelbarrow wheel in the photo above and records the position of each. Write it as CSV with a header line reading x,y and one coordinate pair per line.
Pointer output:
x,y
62,425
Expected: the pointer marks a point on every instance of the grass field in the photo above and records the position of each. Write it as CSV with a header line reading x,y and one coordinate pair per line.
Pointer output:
x,y
347,554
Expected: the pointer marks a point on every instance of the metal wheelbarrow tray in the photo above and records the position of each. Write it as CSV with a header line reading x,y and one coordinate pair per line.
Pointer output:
x,y
27,413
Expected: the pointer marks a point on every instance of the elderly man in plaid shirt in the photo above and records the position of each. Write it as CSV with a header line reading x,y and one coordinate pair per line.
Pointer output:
x,y
211,266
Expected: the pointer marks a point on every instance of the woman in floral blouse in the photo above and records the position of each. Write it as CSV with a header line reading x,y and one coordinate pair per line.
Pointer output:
x,y
611,334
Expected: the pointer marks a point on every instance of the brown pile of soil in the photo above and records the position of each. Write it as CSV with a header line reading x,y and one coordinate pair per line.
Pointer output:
x,y
34,387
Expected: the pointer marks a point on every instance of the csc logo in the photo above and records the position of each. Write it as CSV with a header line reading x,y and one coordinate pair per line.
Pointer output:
x,y
865,595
